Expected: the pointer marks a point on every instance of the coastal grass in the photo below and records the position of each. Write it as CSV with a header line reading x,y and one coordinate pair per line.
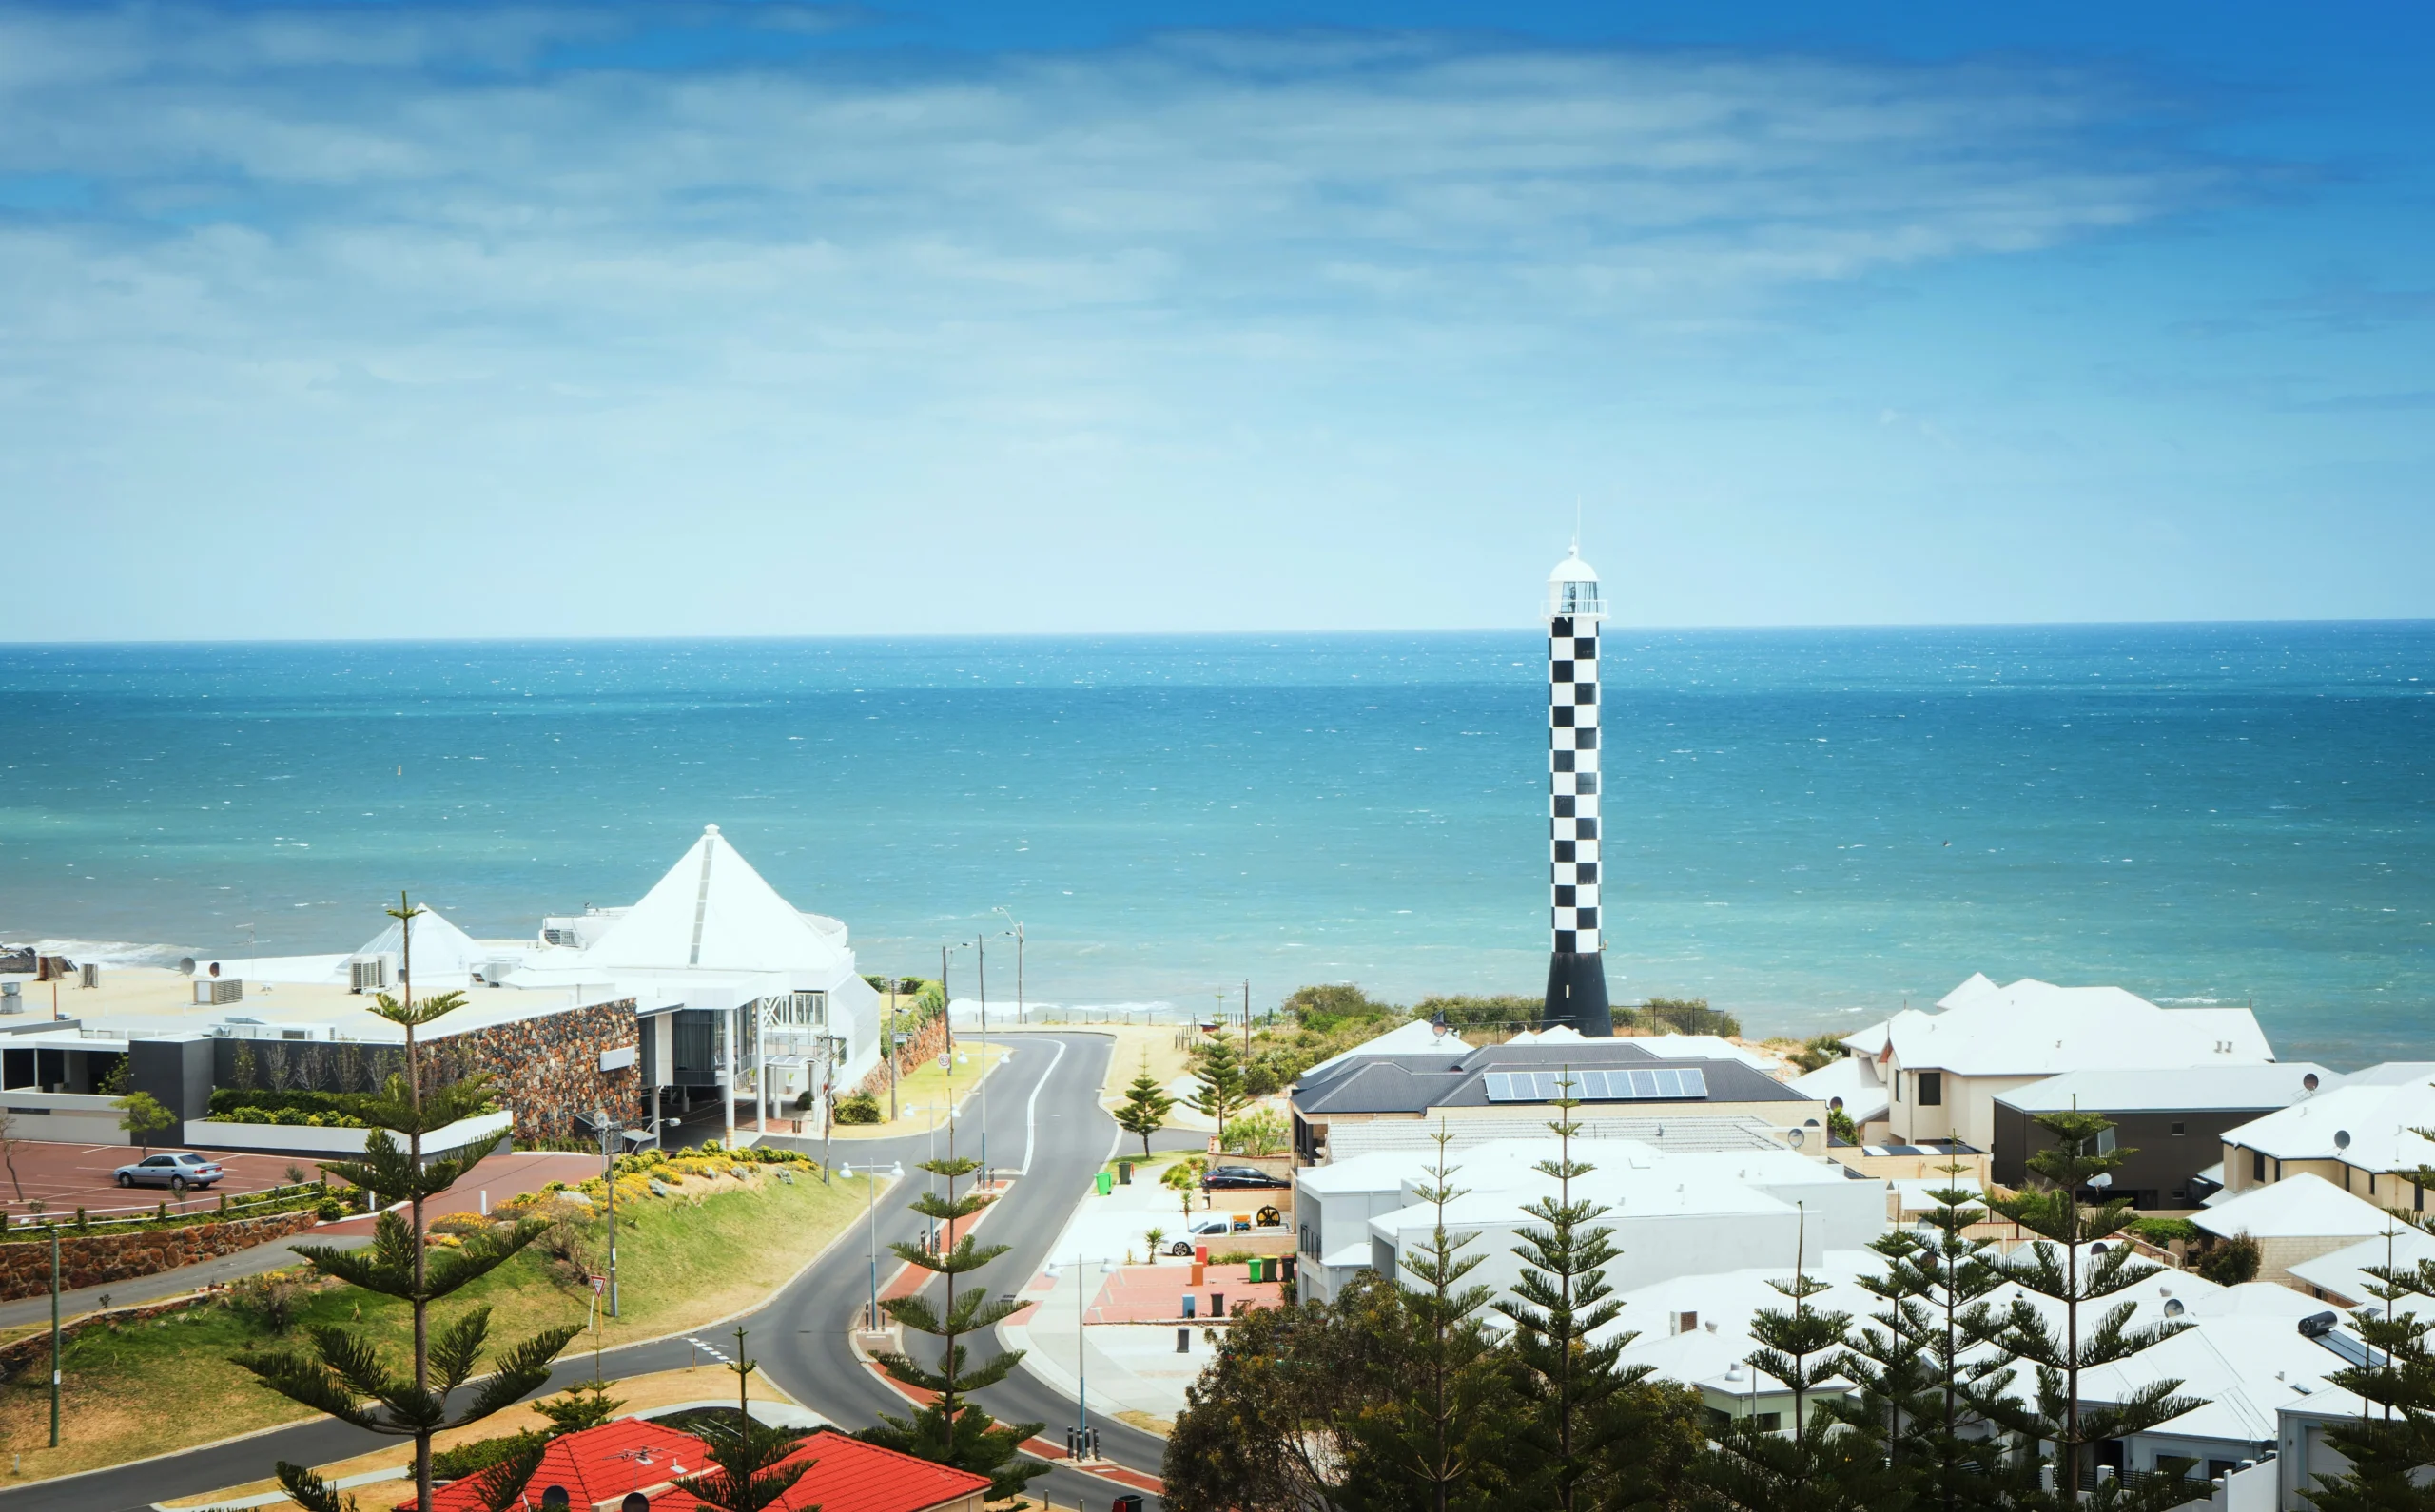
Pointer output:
x,y
138,1389
927,1090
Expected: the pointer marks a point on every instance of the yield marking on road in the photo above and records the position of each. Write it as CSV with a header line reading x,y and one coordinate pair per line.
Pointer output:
x,y
710,1349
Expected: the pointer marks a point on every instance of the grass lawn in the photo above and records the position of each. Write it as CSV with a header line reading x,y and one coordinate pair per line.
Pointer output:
x,y
927,1090
714,1248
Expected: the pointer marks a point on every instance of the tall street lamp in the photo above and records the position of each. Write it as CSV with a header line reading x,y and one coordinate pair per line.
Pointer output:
x,y
1020,1017
1082,1268
871,1175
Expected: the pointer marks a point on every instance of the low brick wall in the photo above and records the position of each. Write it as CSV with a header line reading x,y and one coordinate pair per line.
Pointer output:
x,y
98,1259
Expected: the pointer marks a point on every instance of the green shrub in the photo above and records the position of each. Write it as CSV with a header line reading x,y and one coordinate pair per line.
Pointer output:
x,y
2165,1230
1688,1015
2230,1262
330,1209
860,1108
472,1459
1504,1011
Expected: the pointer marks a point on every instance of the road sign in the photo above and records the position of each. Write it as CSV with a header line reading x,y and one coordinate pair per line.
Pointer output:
x,y
904,1040
599,1283
943,1061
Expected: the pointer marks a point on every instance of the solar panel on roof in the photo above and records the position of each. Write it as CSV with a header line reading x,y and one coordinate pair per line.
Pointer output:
x,y
1594,1086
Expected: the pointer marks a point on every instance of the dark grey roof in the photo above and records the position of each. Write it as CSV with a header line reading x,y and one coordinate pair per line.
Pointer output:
x,y
1397,1084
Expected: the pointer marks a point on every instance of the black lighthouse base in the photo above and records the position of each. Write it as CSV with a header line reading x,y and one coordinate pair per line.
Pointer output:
x,y
1577,994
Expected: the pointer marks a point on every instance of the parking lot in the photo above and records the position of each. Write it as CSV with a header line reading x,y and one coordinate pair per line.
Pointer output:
x,y
65,1177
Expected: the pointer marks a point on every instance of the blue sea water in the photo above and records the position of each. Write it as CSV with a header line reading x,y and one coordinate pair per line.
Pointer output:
x,y
1806,827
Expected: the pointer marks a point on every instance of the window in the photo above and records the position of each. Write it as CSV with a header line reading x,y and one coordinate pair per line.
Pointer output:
x,y
2180,1129
1897,1086
2257,1165
1931,1089
1770,1421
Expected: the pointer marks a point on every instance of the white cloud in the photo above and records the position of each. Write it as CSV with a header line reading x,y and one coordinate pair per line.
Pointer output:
x,y
393,233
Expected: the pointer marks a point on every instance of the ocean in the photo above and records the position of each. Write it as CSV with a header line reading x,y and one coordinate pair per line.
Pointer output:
x,y
1806,827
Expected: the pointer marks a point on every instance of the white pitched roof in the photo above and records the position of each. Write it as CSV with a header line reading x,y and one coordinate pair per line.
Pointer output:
x,y
2344,1271
1852,1078
441,949
2368,1124
2301,1207
2034,1027
2171,1089
712,911
1704,1047
1418,1039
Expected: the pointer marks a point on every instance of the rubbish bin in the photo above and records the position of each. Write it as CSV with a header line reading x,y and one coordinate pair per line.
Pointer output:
x,y
1259,1271
1106,1183
1126,1503
1216,1304
1124,1179
1191,1305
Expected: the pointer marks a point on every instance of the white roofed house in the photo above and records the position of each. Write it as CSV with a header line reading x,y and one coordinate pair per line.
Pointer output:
x,y
2171,1123
1942,1071
2359,1132
736,988
2295,1220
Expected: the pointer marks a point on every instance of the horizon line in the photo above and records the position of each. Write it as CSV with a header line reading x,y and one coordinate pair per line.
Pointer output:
x,y
784,637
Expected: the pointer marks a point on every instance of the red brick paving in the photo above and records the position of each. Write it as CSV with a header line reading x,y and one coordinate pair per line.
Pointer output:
x,y
64,1176
1154,1293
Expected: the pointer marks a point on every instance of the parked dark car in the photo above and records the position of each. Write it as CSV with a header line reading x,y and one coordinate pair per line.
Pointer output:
x,y
176,1171
1239,1177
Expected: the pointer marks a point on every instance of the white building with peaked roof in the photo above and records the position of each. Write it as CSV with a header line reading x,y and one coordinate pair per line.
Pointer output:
x,y
741,993
1942,1069
2359,1132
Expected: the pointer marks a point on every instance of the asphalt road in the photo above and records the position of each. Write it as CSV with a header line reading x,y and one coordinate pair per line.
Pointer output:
x,y
1044,1118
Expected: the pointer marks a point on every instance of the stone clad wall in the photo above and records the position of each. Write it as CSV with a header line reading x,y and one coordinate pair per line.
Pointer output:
x,y
546,1069
97,1260
923,1046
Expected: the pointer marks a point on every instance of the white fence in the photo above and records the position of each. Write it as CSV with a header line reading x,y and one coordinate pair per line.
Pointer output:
x,y
288,1138
65,1117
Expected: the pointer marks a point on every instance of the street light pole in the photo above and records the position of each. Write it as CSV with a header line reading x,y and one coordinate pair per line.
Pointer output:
x,y
981,971
870,1177
1019,1017
609,1172
54,1336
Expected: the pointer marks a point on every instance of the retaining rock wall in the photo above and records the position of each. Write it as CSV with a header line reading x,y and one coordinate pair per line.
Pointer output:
x,y
98,1259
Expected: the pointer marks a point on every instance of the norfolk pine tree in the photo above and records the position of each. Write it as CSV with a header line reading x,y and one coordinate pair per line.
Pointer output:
x,y
346,1377
1560,1300
1442,1438
1936,1288
2390,1447
1147,1106
1830,1459
2056,1266
750,1475
1220,1075
951,1430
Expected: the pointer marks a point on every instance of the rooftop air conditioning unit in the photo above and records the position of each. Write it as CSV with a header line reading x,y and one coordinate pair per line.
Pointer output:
x,y
367,976
560,936
88,974
214,991
11,1000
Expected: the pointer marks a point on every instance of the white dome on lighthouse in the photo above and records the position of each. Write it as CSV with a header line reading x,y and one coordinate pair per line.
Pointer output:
x,y
1572,589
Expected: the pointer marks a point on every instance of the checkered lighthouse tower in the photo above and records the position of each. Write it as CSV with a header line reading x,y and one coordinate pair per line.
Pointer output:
x,y
1576,973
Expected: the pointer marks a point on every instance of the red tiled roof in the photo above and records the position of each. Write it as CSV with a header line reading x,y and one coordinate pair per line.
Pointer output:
x,y
850,1476
598,1465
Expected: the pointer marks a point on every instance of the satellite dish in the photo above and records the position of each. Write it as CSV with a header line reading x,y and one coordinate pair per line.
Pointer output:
x,y
2308,1082
186,964
1794,1138
2174,1309
2341,1139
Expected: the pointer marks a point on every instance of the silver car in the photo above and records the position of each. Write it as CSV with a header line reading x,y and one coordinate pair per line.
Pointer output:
x,y
176,1171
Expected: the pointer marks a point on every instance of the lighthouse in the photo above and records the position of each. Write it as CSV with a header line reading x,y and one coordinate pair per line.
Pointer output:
x,y
1576,973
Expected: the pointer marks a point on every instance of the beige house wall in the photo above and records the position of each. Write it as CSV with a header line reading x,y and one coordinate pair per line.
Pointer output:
x,y
1967,1112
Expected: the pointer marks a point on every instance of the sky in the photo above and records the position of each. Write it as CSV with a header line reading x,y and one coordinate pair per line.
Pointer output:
x,y
357,319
